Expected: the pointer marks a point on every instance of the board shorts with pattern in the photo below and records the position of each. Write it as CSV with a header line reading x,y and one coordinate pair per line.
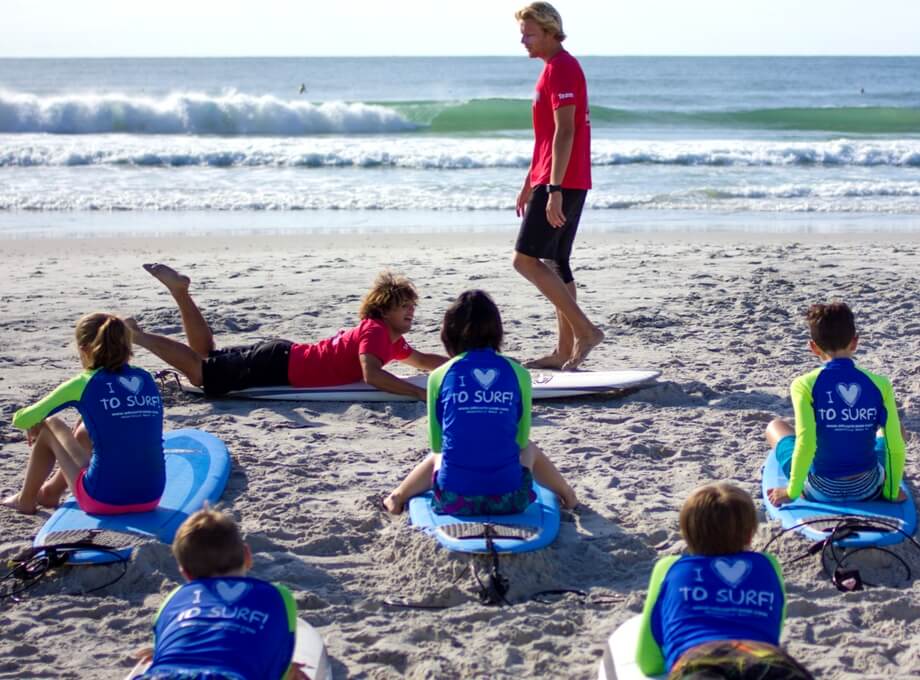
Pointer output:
x,y
510,503
737,660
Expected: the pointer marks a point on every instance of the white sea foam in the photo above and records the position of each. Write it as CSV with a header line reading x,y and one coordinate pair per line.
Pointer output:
x,y
432,153
231,113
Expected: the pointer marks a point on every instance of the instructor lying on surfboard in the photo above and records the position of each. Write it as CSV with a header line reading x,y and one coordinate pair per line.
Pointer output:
x,y
352,355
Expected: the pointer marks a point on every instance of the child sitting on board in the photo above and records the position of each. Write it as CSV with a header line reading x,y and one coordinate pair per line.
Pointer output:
x,y
718,611
221,623
479,424
833,454
113,460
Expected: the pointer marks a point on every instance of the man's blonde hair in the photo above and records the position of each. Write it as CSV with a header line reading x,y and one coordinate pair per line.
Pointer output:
x,y
545,16
390,291
207,544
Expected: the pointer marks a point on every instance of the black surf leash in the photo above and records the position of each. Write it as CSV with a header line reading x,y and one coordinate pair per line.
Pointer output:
x,y
29,568
493,591
848,580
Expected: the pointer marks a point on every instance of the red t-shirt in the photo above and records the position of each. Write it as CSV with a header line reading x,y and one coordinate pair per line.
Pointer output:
x,y
561,83
334,361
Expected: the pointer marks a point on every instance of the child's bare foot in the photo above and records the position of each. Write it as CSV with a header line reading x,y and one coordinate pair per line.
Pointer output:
x,y
16,503
394,503
552,361
169,277
47,497
583,347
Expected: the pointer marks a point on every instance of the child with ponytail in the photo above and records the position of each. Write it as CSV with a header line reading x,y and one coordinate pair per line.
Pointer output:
x,y
112,461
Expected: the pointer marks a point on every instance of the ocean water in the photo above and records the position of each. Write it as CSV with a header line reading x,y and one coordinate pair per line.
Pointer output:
x,y
158,145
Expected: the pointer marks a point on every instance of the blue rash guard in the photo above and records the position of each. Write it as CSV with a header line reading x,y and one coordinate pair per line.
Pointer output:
x,y
838,409
479,419
123,413
696,599
234,627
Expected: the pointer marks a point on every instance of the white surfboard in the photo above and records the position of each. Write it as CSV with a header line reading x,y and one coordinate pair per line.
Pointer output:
x,y
619,662
546,385
309,654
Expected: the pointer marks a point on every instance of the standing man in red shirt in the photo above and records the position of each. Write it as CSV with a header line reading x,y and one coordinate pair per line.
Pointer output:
x,y
556,184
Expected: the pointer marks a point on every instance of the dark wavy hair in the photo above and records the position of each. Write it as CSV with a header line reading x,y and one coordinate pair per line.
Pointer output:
x,y
472,322
832,326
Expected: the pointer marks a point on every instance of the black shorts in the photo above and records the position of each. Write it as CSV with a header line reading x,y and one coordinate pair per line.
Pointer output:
x,y
263,364
538,238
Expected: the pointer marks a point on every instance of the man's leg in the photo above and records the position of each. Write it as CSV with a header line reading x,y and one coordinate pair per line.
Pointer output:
x,y
197,330
585,335
566,339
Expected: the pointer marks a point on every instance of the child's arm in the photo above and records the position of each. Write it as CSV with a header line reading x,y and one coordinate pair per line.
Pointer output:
x,y
423,361
66,394
648,652
526,385
806,434
782,585
894,442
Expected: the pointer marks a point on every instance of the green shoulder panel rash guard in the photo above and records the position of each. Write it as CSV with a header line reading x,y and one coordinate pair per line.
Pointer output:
x,y
806,431
895,449
649,656
435,378
839,409
526,385
66,394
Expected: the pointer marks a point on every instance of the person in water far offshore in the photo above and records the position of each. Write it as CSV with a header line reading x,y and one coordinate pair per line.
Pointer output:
x,y
359,353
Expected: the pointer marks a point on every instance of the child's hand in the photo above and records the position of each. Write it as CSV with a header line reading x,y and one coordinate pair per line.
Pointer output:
x,y
143,654
901,496
33,432
296,673
778,496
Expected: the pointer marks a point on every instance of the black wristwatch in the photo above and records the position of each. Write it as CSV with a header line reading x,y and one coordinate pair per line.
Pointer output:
x,y
550,188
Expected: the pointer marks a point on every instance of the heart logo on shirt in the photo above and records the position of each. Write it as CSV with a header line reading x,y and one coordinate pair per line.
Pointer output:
x,y
849,393
230,593
485,378
132,384
732,574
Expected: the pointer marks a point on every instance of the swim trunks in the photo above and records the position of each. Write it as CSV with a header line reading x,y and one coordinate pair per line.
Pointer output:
x,y
510,503
852,488
263,364
737,660
538,238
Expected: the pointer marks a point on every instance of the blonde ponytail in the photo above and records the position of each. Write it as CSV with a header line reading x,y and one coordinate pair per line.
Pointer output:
x,y
105,339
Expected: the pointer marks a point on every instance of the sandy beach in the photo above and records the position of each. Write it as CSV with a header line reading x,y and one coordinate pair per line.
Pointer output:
x,y
719,314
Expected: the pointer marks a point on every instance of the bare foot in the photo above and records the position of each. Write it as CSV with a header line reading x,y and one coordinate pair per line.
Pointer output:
x,y
169,277
552,361
15,503
47,497
394,503
583,347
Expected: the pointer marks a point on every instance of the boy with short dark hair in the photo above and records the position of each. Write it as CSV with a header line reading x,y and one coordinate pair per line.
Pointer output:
x,y
717,612
221,623
834,454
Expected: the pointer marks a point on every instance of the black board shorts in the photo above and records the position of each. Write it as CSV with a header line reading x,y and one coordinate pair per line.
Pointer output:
x,y
264,364
538,238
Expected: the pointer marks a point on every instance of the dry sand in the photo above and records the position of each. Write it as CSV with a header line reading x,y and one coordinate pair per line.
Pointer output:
x,y
718,314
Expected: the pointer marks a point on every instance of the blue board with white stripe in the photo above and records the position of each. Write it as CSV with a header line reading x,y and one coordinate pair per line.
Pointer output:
x,y
904,514
533,529
197,468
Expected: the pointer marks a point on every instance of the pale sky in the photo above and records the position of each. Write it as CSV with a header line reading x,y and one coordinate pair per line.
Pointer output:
x,y
204,28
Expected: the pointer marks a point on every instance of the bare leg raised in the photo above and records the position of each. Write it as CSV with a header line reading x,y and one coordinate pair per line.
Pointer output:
x,y
197,330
